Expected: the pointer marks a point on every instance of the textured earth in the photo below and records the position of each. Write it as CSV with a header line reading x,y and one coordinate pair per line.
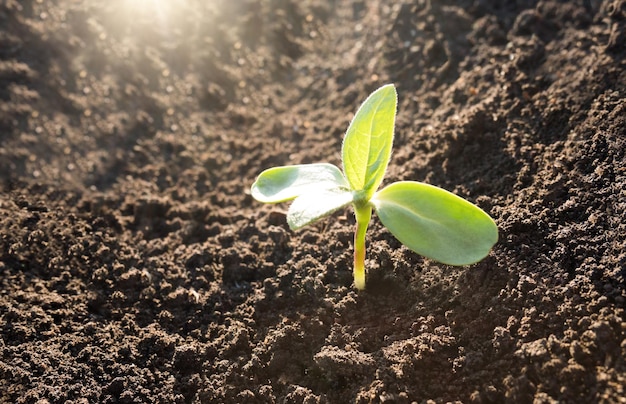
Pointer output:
x,y
136,268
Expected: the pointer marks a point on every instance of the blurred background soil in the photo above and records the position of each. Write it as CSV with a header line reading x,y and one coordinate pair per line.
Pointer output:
x,y
136,268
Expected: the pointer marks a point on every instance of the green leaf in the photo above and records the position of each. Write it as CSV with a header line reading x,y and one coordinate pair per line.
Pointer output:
x,y
436,223
366,148
310,207
281,184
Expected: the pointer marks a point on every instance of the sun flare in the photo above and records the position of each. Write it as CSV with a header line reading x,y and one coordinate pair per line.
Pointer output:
x,y
158,9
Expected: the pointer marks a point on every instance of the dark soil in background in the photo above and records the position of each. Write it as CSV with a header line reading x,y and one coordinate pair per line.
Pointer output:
x,y
136,268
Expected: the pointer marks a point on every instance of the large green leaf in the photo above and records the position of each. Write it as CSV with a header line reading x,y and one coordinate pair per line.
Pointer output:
x,y
281,184
310,207
436,223
366,148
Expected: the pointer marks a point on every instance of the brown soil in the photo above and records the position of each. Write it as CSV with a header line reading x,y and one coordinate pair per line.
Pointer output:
x,y
136,268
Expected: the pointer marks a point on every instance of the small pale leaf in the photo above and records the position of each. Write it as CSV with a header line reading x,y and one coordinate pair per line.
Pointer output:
x,y
436,223
366,147
310,207
284,183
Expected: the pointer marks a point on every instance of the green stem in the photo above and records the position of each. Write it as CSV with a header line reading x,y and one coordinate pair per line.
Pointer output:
x,y
363,215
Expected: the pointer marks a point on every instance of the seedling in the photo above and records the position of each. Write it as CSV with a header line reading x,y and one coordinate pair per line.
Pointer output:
x,y
429,220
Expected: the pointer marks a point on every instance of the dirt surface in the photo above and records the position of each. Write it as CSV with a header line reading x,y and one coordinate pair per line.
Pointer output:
x,y
136,268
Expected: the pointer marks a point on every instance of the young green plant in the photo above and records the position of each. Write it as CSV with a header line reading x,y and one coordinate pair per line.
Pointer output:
x,y
429,220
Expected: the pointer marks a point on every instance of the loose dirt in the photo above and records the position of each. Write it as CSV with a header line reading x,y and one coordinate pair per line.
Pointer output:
x,y
136,268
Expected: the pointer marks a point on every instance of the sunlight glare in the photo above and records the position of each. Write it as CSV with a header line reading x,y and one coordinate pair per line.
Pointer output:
x,y
158,9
